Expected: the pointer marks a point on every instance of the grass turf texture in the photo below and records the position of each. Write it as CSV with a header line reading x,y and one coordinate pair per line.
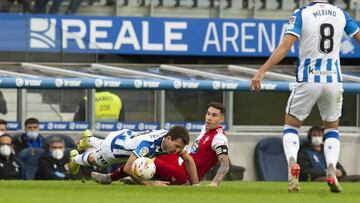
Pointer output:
x,y
89,192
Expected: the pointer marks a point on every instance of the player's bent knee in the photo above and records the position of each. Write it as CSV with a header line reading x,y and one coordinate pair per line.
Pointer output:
x,y
91,159
292,121
331,124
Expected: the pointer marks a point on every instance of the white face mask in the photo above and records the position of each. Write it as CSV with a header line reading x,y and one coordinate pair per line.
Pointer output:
x,y
32,134
5,150
316,140
57,154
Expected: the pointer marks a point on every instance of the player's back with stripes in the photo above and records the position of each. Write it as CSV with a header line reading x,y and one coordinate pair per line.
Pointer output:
x,y
320,28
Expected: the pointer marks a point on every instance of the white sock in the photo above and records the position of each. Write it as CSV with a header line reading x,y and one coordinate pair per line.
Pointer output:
x,y
95,142
331,146
291,142
82,159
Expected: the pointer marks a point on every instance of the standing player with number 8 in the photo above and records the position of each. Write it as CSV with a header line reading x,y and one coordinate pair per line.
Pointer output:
x,y
319,28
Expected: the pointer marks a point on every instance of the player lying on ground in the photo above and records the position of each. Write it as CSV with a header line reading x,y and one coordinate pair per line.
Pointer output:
x,y
209,147
133,144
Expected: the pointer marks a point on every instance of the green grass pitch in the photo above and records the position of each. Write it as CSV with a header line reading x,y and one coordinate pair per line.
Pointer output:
x,y
90,192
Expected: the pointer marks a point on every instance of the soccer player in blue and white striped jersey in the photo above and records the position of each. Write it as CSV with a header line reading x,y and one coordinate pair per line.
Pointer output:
x,y
319,28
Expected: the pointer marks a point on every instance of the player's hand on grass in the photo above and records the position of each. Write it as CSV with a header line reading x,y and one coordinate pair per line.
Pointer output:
x,y
158,183
213,184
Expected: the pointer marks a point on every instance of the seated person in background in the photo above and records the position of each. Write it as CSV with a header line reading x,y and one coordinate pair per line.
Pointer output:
x,y
9,166
53,165
31,137
108,107
3,127
312,161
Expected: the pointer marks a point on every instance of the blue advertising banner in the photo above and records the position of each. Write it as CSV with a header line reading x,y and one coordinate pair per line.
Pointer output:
x,y
147,36
210,85
13,125
190,126
63,126
114,126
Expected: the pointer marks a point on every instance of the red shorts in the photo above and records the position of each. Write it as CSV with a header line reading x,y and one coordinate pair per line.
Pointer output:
x,y
168,169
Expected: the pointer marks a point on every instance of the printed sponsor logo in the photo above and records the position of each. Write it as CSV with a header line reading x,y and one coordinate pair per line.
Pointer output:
x,y
141,126
267,86
19,82
42,33
138,83
185,85
59,82
144,151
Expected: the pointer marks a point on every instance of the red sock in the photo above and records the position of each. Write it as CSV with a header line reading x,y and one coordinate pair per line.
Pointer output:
x,y
118,174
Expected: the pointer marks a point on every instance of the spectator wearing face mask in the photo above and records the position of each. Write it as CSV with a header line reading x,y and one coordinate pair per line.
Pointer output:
x,y
9,167
53,165
31,138
312,160
3,128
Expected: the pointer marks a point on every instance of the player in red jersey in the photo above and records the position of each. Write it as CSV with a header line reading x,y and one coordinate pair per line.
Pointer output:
x,y
210,147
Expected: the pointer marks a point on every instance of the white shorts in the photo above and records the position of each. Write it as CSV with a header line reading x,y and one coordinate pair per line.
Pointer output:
x,y
104,156
328,97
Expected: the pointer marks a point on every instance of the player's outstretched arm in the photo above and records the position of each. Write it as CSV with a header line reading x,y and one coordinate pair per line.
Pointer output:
x,y
222,171
357,37
190,167
279,54
127,169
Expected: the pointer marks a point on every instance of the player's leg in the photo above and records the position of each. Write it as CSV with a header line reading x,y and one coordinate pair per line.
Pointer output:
x,y
330,105
108,178
175,174
77,160
291,147
88,140
299,106
167,169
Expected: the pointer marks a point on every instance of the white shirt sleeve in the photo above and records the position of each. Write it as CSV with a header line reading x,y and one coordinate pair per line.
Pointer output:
x,y
219,140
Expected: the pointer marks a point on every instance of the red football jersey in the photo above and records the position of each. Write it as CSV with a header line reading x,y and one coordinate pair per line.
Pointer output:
x,y
170,167
203,149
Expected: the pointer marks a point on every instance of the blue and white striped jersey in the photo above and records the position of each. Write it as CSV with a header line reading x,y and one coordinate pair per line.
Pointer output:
x,y
320,27
142,144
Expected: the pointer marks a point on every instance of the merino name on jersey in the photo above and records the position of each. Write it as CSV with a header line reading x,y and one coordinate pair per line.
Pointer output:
x,y
324,12
320,28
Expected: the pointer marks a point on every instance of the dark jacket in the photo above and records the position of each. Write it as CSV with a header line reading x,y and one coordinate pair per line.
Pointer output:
x,y
10,169
22,141
52,169
313,163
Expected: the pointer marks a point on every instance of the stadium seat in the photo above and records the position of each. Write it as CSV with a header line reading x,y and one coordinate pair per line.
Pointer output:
x,y
29,158
270,160
69,142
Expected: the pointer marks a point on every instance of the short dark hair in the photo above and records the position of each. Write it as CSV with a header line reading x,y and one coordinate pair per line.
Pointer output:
x,y
179,132
313,129
31,121
56,139
3,122
7,135
219,106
